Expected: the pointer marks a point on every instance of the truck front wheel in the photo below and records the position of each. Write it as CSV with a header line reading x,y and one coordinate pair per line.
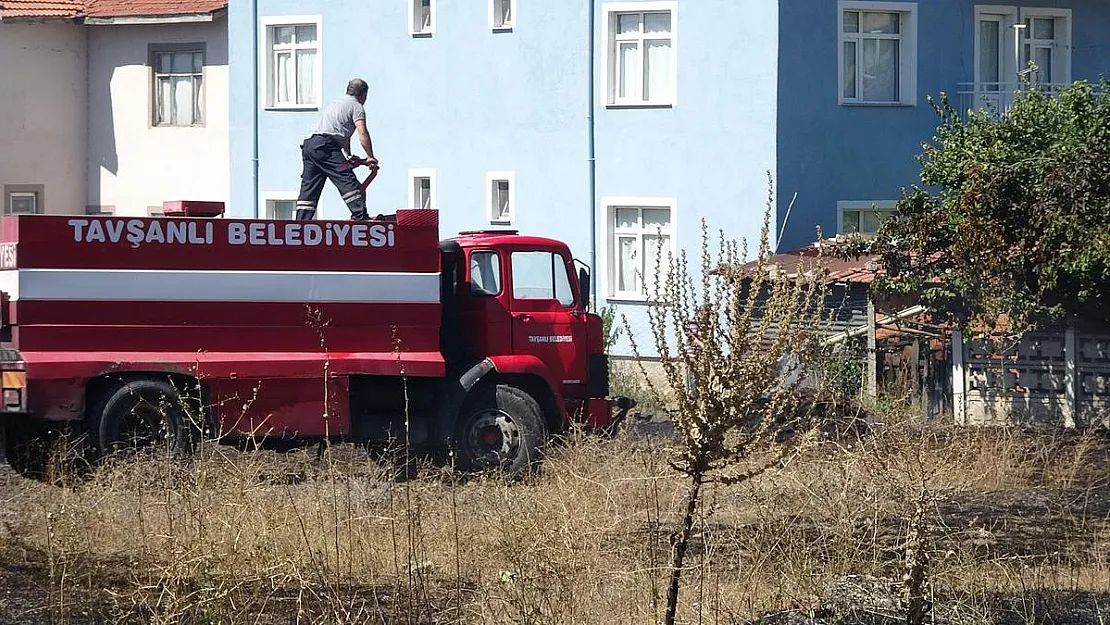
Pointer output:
x,y
500,428
143,414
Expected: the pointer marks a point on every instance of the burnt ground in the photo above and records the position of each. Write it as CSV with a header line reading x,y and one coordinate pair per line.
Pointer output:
x,y
1035,526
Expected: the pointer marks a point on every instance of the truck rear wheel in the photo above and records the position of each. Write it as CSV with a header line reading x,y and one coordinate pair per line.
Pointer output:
x,y
500,428
145,415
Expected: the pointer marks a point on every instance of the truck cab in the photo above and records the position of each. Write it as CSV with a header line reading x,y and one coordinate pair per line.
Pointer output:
x,y
518,303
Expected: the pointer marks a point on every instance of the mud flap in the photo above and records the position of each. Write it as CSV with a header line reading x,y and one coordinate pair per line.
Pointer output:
x,y
3,439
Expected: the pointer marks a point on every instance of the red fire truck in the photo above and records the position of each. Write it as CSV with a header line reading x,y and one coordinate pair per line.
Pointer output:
x,y
163,331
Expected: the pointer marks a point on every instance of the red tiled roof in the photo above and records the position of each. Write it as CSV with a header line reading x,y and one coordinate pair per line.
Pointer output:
x,y
125,8
105,8
856,271
39,8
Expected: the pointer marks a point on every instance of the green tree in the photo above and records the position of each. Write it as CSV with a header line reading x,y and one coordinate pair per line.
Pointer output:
x,y
1014,216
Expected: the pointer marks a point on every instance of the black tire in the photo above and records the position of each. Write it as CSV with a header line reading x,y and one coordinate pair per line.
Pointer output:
x,y
145,416
500,428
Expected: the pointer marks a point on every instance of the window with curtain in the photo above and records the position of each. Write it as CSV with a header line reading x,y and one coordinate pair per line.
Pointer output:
x,y
294,49
641,236
178,83
640,49
872,44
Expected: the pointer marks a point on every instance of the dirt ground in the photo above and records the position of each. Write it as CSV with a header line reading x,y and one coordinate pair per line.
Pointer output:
x,y
1038,528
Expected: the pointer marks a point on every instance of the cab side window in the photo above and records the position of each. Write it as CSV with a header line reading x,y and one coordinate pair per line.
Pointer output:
x,y
485,273
541,275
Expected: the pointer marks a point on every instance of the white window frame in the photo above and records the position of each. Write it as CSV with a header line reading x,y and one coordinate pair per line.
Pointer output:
x,y
609,213
495,15
266,56
609,13
907,53
494,176
269,198
423,172
412,5
880,206
1063,40
1007,16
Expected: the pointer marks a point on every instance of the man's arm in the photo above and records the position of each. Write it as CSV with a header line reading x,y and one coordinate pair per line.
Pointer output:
x,y
364,139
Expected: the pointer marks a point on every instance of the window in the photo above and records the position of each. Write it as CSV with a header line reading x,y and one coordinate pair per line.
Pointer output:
x,y
500,197
94,209
863,217
178,85
640,66
502,14
422,17
23,199
280,208
541,275
485,273
878,52
422,188
1046,43
641,233
1007,38
293,62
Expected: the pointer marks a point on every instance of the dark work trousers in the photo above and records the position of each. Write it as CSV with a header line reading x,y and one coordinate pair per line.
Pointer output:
x,y
323,161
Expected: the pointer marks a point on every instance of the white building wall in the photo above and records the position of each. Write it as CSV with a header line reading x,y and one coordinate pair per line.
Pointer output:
x,y
133,164
42,113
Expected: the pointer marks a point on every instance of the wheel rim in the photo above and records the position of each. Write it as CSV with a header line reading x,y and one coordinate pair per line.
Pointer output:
x,y
143,427
492,438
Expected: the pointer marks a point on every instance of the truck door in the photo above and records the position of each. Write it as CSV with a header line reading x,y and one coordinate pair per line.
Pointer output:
x,y
546,320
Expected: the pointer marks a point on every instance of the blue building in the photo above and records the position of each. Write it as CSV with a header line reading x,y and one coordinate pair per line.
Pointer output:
x,y
605,123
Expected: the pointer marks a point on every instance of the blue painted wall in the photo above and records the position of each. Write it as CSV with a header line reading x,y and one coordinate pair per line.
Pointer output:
x,y
828,152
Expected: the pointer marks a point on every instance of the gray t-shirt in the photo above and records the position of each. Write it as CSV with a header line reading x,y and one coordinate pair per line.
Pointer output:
x,y
338,120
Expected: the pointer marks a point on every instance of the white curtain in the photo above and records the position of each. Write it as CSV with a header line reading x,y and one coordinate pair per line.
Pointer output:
x,y
183,101
306,76
283,76
655,261
849,69
989,52
880,70
626,264
657,77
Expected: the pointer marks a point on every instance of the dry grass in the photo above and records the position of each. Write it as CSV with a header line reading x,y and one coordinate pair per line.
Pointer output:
x,y
259,538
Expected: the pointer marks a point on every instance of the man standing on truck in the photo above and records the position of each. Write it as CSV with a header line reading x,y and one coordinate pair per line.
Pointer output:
x,y
326,154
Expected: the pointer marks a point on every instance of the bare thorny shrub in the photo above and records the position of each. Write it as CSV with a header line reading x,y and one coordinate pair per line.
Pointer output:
x,y
734,343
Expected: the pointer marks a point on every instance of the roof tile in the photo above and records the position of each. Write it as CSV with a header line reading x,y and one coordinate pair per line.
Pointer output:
x,y
40,8
124,8
106,8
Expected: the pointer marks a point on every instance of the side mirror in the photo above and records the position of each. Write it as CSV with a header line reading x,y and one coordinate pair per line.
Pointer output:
x,y
584,288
